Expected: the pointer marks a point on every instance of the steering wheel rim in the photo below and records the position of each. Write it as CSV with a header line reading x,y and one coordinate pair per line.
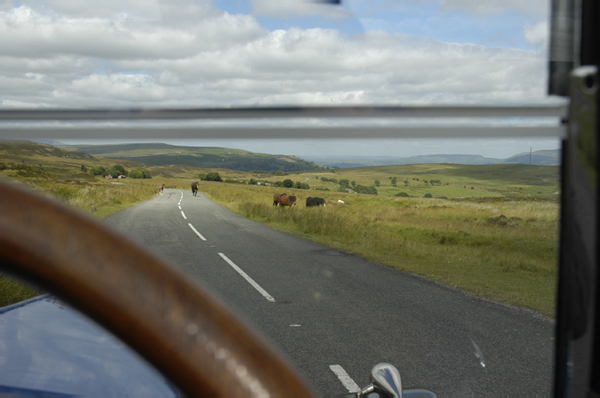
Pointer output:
x,y
193,339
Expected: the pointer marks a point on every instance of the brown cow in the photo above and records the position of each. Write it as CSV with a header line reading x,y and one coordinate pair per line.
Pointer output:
x,y
160,188
195,186
277,198
284,200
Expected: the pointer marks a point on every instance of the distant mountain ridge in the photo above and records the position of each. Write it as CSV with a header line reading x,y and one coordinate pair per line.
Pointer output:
x,y
160,154
539,158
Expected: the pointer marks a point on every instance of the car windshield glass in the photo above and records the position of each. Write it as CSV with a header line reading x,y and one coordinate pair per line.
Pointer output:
x,y
416,137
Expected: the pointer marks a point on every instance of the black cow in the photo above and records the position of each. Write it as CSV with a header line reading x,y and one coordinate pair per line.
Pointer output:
x,y
310,202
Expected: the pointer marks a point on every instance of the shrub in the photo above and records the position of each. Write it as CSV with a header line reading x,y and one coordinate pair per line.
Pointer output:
x,y
140,173
428,195
371,190
403,194
278,173
113,172
119,170
213,176
136,174
98,171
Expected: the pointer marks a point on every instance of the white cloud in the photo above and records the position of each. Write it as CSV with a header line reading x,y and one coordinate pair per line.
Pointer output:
x,y
62,55
496,7
19,105
538,34
35,34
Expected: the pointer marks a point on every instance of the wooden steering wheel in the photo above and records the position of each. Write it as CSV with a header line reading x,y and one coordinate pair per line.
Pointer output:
x,y
185,333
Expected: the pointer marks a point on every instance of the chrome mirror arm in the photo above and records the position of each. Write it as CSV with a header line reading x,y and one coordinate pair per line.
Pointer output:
x,y
385,380
366,391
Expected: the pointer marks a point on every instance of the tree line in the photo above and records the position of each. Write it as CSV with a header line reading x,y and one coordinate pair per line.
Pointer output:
x,y
117,170
345,185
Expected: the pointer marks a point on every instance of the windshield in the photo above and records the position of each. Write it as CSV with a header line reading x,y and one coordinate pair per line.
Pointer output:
x,y
247,53
436,249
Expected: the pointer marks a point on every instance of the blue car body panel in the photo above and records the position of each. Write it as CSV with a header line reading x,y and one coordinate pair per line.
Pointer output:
x,y
49,349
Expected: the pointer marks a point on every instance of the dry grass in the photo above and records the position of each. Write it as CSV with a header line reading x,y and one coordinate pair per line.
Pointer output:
x,y
505,250
106,198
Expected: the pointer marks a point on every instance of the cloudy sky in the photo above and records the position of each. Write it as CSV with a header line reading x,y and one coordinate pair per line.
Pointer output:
x,y
201,53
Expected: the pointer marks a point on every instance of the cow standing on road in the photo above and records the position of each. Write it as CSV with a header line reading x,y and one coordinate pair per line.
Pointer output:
x,y
195,186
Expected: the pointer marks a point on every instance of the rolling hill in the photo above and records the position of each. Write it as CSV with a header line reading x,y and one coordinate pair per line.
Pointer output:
x,y
28,148
541,158
156,154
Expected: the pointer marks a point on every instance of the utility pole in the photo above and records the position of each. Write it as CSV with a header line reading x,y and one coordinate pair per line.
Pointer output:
x,y
530,148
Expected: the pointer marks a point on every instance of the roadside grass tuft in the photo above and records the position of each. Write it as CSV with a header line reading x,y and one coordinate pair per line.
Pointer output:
x,y
12,290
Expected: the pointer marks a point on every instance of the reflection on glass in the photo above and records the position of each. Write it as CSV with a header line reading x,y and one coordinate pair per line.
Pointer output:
x,y
466,221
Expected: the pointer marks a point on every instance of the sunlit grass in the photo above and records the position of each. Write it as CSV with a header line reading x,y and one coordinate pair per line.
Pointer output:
x,y
505,250
96,197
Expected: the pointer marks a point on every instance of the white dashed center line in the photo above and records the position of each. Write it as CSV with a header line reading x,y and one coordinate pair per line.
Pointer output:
x,y
346,380
196,232
183,214
248,279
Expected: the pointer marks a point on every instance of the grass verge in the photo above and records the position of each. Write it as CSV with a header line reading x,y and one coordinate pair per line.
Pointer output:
x,y
502,249
104,197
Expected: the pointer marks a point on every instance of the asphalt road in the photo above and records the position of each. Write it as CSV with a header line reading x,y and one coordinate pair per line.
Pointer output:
x,y
334,315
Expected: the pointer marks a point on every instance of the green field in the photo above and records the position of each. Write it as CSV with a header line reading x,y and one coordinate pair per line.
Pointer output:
x,y
495,235
501,248
516,180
